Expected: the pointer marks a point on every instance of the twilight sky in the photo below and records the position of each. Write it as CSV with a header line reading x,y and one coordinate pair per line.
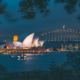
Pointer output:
x,y
18,17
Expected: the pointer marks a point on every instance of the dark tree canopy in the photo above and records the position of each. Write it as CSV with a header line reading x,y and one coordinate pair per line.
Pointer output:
x,y
3,69
73,61
29,8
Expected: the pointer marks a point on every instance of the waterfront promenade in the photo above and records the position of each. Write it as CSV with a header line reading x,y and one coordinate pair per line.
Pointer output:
x,y
23,51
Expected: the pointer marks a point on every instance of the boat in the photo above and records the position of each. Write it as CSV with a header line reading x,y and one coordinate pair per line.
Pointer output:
x,y
19,57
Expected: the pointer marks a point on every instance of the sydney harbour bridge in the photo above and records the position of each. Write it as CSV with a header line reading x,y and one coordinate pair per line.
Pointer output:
x,y
59,34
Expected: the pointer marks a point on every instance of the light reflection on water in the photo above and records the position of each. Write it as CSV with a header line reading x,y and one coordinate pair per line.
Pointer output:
x,y
31,54
32,61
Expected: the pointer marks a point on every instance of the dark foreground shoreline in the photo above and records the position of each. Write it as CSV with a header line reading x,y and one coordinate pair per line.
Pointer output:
x,y
56,73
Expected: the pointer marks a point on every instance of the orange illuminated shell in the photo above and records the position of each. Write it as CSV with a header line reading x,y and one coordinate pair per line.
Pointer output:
x,y
15,38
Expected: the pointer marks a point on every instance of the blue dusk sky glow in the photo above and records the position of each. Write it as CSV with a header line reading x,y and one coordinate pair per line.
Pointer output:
x,y
13,23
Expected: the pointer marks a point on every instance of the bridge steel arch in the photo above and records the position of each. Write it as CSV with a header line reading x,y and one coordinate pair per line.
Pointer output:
x,y
69,35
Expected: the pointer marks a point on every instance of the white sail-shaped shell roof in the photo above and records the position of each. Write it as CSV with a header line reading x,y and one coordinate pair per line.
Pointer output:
x,y
17,43
2,46
35,42
10,42
41,43
22,46
28,40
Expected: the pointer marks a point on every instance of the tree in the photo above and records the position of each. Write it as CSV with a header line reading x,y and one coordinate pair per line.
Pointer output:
x,y
73,61
29,8
3,69
52,66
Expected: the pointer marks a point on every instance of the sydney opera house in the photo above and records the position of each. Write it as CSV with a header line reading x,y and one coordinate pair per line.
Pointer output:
x,y
28,42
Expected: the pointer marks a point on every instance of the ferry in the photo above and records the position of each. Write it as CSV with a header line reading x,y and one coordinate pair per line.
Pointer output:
x,y
19,57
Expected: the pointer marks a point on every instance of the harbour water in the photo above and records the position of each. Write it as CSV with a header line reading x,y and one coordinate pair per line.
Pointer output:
x,y
21,16
34,61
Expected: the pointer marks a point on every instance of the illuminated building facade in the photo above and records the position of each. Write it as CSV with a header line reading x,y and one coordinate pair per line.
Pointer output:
x,y
28,42
7,45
